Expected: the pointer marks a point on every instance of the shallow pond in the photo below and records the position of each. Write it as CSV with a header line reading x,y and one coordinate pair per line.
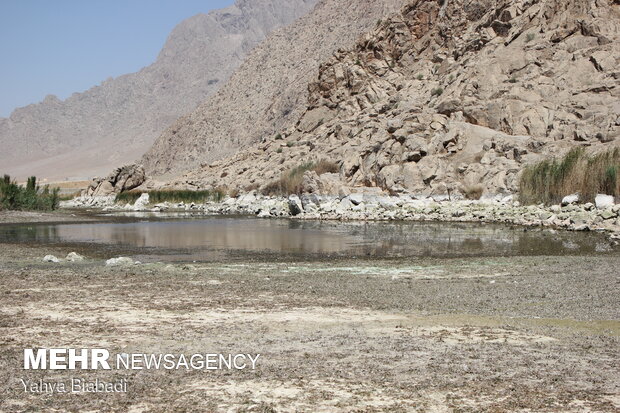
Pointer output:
x,y
180,237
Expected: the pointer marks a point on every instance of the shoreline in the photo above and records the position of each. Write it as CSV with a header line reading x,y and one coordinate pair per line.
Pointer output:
x,y
365,207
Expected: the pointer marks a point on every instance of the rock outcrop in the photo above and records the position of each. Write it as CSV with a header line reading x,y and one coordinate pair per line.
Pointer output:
x,y
448,95
268,93
121,179
116,122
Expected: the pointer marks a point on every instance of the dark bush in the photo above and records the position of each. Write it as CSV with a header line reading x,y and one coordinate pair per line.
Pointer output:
x,y
30,197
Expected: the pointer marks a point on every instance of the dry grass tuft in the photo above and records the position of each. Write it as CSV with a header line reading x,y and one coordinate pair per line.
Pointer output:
x,y
577,172
473,192
291,181
252,187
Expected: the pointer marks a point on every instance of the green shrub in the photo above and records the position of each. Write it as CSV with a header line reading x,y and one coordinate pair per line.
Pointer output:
x,y
30,197
437,91
279,150
529,37
550,180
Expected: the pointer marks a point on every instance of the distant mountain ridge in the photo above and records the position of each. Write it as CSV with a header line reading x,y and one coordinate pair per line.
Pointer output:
x,y
115,122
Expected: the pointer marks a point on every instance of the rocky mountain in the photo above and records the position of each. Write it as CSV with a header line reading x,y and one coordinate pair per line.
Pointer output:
x,y
90,133
268,93
445,95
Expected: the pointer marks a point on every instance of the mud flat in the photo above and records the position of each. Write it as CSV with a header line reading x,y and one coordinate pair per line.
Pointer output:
x,y
521,333
18,217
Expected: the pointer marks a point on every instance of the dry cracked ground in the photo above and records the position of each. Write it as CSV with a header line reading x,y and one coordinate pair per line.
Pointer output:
x,y
476,334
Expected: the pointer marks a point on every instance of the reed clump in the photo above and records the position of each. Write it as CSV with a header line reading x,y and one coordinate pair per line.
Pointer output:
x,y
27,198
550,180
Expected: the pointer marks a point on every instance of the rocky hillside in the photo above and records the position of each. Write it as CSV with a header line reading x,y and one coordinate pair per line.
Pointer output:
x,y
447,95
269,91
91,132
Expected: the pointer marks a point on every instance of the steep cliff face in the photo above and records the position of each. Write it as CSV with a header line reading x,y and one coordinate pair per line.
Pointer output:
x,y
449,94
115,122
269,91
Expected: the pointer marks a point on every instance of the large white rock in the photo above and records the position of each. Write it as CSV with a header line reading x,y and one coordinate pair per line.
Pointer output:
x,y
141,202
346,204
356,199
50,258
247,199
603,201
74,257
387,203
570,199
119,261
264,213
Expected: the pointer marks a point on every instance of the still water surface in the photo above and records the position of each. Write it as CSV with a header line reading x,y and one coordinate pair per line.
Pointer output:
x,y
208,238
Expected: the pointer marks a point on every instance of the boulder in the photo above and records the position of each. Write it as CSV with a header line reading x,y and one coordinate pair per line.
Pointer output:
x,y
310,201
311,183
104,188
141,202
449,106
387,203
120,179
570,199
264,213
607,214
345,204
356,199
393,125
604,201
247,199
545,215
343,191
50,258
119,261
294,205
314,118
74,257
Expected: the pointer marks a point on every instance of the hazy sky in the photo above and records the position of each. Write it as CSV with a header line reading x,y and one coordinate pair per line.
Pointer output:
x,y
64,46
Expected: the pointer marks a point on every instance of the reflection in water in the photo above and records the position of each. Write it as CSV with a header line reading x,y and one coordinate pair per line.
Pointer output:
x,y
198,237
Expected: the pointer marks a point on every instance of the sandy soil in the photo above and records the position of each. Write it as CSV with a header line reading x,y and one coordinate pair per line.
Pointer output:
x,y
501,334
